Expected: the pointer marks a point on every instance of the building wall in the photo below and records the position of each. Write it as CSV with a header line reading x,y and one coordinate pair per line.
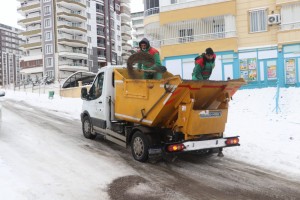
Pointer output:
x,y
247,39
198,12
263,58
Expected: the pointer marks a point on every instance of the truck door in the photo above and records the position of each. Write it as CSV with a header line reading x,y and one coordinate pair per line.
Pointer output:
x,y
97,102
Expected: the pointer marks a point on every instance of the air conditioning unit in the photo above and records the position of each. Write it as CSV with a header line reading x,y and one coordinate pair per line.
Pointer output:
x,y
274,19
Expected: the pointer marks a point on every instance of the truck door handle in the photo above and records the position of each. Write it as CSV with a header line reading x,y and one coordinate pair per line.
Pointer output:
x,y
100,101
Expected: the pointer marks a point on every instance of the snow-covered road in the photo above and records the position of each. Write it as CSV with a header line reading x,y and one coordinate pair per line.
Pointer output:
x,y
44,156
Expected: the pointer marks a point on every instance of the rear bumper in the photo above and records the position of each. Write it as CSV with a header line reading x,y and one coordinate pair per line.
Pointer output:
x,y
207,144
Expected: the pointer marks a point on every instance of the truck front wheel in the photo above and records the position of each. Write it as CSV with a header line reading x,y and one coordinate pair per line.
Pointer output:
x,y
140,146
87,128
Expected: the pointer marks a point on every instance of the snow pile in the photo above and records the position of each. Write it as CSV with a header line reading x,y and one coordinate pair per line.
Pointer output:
x,y
267,139
67,107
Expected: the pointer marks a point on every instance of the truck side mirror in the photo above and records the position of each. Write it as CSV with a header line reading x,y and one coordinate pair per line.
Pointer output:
x,y
84,93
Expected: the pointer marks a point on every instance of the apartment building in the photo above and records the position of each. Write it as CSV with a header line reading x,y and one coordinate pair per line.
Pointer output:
x,y
137,21
66,36
125,30
9,55
105,32
256,40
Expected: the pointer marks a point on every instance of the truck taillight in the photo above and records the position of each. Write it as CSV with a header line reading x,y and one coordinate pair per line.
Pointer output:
x,y
175,147
232,141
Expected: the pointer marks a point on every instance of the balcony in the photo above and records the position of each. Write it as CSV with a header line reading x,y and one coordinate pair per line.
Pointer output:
x,y
71,15
72,40
31,28
101,57
125,18
29,20
100,11
281,2
74,27
126,46
101,45
125,1
73,4
31,32
68,66
33,45
32,70
126,27
73,53
125,9
151,11
30,57
100,33
100,22
29,6
126,36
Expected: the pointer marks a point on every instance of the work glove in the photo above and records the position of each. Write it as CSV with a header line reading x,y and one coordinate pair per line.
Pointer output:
x,y
160,69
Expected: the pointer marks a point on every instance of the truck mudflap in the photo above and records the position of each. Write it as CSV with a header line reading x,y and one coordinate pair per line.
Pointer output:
x,y
204,144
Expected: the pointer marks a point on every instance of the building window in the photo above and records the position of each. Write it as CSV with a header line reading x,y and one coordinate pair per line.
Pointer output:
x,y
47,23
89,27
48,36
49,62
47,10
48,48
258,20
50,74
47,1
88,15
89,39
173,1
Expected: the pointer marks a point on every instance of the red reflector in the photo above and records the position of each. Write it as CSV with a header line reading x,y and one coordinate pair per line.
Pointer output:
x,y
232,141
175,147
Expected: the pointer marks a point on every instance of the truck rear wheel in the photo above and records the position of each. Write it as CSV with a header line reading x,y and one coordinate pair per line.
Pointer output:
x,y
140,146
87,128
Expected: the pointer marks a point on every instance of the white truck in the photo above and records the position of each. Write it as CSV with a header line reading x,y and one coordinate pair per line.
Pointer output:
x,y
156,117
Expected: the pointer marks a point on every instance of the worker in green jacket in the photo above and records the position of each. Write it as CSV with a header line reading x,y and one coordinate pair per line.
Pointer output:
x,y
204,64
145,47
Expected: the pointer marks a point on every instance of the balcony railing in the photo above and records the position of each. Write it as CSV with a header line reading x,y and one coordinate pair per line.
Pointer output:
x,y
100,22
100,44
151,11
290,26
75,25
72,37
100,11
100,33
72,64
31,28
29,3
32,15
30,41
73,51
61,9
193,38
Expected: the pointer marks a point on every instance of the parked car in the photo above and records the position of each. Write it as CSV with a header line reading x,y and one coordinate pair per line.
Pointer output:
x,y
2,93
